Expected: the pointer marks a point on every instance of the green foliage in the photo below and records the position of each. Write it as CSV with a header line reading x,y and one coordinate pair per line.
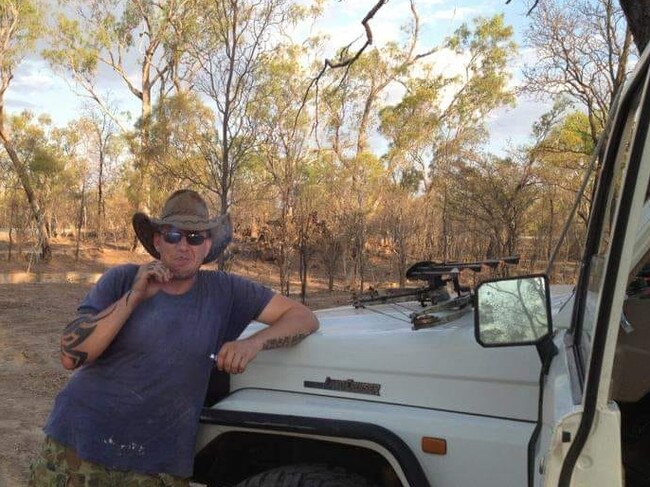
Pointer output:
x,y
45,162
70,48
440,121
20,27
181,133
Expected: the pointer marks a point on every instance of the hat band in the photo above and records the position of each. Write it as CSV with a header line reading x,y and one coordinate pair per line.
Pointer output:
x,y
184,219
187,222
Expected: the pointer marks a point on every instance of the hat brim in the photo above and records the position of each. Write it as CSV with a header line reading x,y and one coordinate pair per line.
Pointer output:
x,y
220,229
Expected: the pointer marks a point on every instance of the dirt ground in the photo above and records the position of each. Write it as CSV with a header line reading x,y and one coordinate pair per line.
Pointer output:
x,y
32,316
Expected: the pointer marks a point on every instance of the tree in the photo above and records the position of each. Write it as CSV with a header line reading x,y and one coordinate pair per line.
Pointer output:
x,y
351,107
637,13
231,41
562,152
181,143
111,34
429,137
284,148
94,140
501,191
582,51
20,25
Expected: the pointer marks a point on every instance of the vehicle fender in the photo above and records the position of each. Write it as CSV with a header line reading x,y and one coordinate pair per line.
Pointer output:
x,y
394,431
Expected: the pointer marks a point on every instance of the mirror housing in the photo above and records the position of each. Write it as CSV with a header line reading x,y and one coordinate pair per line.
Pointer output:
x,y
513,311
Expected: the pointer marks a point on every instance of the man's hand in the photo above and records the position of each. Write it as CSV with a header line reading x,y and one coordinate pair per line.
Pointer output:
x,y
289,323
150,279
235,356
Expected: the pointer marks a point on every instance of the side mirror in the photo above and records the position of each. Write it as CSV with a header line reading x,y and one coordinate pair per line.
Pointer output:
x,y
512,311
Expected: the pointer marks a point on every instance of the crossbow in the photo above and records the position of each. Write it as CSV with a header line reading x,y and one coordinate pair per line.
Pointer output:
x,y
434,296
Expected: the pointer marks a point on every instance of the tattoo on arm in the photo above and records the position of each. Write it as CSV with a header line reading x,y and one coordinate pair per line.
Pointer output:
x,y
77,331
286,341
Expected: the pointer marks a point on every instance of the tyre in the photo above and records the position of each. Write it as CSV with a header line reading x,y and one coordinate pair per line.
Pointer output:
x,y
308,475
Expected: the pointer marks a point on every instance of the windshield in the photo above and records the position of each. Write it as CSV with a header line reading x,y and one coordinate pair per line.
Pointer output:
x,y
596,262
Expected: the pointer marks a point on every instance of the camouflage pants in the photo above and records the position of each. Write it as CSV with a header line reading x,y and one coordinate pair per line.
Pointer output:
x,y
59,466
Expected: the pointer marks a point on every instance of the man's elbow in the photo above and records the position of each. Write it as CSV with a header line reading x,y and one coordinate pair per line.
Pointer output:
x,y
72,359
311,321
67,362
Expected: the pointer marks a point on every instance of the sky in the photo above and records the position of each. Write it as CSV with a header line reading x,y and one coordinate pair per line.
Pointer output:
x,y
38,89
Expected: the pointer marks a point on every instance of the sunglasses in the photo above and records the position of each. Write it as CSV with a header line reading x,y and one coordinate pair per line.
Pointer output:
x,y
175,236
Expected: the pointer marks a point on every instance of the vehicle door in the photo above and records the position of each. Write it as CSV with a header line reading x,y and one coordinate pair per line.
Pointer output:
x,y
579,442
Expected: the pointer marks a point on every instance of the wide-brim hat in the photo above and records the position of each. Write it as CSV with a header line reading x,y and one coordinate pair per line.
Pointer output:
x,y
185,210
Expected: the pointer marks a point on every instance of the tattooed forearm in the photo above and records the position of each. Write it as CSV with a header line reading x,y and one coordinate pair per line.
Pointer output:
x,y
76,332
286,341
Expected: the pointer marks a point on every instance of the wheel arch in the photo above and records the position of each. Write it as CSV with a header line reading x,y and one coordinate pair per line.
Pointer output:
x,y
308,435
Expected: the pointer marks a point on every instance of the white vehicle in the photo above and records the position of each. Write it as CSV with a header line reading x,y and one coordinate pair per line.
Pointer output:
x,y
526,388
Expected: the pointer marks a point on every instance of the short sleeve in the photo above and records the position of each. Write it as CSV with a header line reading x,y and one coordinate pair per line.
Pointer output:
x,y
248,300
113,284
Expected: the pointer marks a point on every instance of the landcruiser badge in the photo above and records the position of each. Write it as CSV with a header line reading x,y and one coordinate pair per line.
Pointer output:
x,y
348,385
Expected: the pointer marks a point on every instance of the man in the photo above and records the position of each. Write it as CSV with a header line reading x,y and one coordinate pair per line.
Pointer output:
x,y
144,344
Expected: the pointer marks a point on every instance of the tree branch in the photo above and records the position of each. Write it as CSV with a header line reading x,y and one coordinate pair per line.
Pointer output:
x,y
530,10
345,62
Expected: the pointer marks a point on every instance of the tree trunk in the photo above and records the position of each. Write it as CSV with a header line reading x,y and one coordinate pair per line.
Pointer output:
x,y
12,217
100,198
304,270
549,247
80,221
637,13
444,237
23,176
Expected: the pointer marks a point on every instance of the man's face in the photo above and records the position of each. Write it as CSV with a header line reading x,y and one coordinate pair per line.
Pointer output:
x,y
182,251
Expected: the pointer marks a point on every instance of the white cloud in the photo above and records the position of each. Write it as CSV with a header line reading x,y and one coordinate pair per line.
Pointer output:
x,y
459,14
393,94
513,126
33,75
341,22
447,62
19,103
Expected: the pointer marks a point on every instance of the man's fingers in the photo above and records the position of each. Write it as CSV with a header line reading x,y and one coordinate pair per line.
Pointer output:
x,y
240,364
225,357
234,357
158,271
159,275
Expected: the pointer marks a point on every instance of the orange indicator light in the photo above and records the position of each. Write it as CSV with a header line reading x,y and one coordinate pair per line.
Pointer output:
x,y
436,446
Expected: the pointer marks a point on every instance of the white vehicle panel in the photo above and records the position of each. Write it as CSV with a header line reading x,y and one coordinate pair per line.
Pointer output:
x,y
440,367
475,444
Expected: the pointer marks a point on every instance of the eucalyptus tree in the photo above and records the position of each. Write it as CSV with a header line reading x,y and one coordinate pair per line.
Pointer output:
x,y
493,198
284,131
36,141
93,142
20,26
582,50
351,104
440,121
231,40
562,152
105,148
139,42
181,143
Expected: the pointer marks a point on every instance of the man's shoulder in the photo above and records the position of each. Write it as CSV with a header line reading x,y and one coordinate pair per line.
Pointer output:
x,y
124,269
229,279
120,272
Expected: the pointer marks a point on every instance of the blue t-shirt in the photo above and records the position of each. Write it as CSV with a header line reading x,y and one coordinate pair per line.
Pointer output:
x,y
137,406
